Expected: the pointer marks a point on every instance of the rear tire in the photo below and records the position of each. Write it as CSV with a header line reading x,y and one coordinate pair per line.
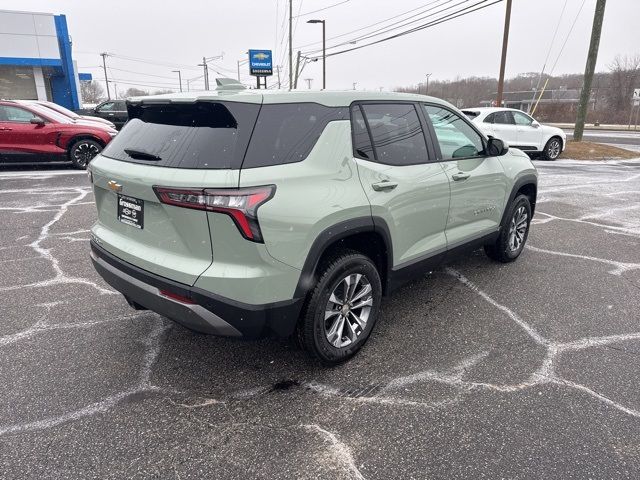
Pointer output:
x,y
514,234
82,152
552,149
342,309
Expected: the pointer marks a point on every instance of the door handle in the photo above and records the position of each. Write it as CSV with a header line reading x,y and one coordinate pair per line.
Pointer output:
x,y
6,129
384,185
460,176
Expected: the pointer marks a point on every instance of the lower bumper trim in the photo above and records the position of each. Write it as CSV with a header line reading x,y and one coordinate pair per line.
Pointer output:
x,y
210,313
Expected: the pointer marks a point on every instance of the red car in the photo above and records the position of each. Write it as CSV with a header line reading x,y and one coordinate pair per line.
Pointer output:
x,y
33,133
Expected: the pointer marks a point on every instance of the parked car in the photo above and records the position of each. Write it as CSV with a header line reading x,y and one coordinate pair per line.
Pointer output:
x,y
113,110
519,130
34,133
252,213
68,113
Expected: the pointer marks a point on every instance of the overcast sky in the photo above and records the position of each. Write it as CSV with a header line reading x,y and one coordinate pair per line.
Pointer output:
x,y
178,34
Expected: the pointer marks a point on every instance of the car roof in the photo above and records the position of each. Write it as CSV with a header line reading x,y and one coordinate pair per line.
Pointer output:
x,y
327,97
490,109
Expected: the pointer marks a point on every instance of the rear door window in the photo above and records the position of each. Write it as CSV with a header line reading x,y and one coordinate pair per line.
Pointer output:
x,y
287,132
397,133
504,118
211,135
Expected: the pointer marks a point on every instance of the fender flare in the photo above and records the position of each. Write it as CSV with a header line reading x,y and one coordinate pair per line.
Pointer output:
x,y
337,232
527,179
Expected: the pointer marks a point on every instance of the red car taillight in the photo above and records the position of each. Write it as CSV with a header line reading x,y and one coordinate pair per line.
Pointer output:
x,y
241,204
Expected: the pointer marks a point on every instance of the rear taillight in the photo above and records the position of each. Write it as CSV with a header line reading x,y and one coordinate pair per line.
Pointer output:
x,y
241,204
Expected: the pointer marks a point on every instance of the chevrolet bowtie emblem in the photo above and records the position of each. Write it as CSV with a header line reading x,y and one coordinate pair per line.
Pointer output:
x,y
113,185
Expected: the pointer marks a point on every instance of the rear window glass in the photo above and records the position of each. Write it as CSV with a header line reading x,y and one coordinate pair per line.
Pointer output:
x,y
211,135
287,132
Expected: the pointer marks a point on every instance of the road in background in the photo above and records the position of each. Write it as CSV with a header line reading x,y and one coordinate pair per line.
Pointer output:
x,y
476,370
623,139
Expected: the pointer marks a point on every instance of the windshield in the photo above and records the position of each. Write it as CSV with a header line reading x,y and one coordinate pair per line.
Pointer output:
x,y
49,113
60,109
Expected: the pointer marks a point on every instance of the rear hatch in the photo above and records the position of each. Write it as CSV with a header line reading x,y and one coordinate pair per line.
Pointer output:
x,y
177,145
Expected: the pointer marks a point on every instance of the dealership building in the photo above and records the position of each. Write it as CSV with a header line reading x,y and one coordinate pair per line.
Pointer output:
x,y
35,59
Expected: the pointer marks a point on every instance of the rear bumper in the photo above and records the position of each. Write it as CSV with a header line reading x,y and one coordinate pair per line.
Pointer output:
x,y
209,313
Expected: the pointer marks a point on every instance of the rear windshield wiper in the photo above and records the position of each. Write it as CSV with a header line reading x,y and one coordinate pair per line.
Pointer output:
x,y
140,155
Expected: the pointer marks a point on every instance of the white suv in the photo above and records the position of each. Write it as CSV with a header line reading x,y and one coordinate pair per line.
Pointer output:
x,y
519,130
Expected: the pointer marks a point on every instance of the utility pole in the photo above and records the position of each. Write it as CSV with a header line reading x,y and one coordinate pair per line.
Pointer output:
x,y
428,75
277,70
354,85
179,77
291,46
295,81
206,72
503,61
238,70
308,80
590,67
106,80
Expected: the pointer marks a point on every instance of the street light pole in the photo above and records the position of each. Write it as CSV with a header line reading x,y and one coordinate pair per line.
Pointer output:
x,y
428,75
179,77
106,80
324,51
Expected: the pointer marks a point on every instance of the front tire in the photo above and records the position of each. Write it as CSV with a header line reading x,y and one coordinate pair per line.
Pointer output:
x,y
552,149
514,234
82,152
342,309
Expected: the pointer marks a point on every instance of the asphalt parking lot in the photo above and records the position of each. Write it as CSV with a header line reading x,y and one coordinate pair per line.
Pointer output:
x,y
478,370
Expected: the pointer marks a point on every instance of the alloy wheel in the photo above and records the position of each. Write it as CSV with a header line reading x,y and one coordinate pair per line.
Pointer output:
x,y
84,152
518,228
348,309
554,149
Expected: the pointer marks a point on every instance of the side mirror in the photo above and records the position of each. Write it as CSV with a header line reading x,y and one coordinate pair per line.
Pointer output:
x,y
37,121
496,147
535,124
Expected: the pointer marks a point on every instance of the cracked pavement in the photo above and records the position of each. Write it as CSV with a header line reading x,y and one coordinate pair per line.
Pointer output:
x,y
481,370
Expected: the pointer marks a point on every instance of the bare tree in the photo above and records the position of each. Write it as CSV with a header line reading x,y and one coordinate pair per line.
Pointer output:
x,y
134,92
625,76
92,92
161,92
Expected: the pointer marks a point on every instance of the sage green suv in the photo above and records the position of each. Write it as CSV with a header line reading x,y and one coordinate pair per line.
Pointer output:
x,y
249,213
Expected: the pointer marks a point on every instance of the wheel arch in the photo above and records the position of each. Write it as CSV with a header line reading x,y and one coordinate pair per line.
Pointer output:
x,y
525,185
367,235
84,136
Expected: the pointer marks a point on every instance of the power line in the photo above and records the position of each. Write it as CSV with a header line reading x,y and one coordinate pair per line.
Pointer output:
x,y
446,18
372,24
142,60
567,38
132,71
146,84
322,9
544,65
400,24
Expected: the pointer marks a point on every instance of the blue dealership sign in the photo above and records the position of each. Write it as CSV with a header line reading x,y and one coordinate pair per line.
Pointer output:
x,y
260,63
